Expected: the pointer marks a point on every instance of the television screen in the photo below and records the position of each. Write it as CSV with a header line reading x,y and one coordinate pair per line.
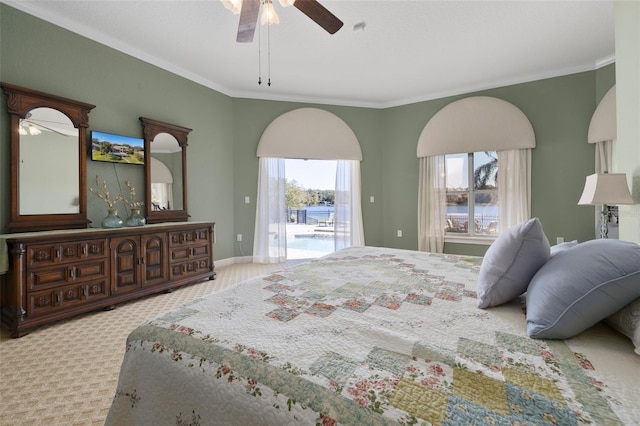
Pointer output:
x,y
116,148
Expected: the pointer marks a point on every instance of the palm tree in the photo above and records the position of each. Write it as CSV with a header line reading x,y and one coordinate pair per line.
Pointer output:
x,y
487,173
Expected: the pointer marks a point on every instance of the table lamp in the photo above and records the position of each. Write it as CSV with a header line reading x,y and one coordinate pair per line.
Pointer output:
x,y
605,189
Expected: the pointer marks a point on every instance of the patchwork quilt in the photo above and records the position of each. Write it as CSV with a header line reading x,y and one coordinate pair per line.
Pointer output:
x,y
368,336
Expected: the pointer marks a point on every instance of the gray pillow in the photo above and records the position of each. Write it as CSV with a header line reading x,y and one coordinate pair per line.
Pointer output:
x,y
510,263
584,285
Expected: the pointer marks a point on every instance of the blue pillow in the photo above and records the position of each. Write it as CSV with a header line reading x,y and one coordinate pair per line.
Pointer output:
x,y
572,292
510,263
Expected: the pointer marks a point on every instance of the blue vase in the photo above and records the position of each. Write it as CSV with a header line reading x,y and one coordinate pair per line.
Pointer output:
x,y
135,219
112,220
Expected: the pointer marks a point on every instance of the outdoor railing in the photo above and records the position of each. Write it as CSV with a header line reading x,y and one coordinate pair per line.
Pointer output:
x,y
308,217
482,224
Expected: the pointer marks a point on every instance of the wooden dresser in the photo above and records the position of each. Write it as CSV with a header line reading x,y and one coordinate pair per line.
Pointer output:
x,y
56,274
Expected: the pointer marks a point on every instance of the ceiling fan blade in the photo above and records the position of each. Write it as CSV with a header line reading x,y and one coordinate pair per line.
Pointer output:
x,y
319,14
248,20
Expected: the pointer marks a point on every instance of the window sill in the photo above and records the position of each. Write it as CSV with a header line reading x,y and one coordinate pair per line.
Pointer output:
x,y
486,241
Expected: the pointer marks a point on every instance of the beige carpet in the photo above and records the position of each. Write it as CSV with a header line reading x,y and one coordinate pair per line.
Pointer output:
x,y
66,373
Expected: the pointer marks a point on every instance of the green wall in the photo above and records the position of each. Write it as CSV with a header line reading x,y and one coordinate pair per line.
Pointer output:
x,y
44,57
223,167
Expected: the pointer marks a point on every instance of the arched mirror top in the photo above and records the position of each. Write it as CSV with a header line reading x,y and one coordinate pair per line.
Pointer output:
x,y
47,139
166,171
21,101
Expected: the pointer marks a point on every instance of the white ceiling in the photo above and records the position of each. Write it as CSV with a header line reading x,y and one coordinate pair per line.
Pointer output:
x,y
409,51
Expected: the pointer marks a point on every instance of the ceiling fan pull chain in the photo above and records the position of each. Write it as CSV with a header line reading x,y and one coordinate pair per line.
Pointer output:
x,y
259,56
269,55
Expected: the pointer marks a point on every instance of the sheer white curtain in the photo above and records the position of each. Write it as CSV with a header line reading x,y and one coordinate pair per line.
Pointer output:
x,y
349,230
270,240
604,152
431,204
514,187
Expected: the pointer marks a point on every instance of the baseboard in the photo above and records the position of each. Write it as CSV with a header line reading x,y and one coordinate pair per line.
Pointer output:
x,y
232,260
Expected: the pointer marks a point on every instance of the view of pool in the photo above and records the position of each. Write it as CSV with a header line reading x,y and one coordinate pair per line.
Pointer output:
x,y
325,245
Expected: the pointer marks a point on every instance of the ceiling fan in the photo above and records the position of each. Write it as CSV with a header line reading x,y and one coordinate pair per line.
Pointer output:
x,y
314,10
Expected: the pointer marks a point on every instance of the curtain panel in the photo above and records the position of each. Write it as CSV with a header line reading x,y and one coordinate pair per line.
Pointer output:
x,y
349,231
514,187
270,240
431,204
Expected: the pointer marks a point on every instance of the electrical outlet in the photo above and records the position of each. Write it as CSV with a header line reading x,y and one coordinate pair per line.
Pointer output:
x,y
247,199
399,232
371,199
239,237
559,240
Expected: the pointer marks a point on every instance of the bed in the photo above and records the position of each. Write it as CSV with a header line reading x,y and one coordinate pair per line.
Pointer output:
x,y
369,336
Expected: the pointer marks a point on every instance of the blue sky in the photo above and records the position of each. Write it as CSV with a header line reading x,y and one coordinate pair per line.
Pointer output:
x,y
312,174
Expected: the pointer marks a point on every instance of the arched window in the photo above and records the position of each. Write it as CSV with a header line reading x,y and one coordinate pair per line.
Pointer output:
x,y
473,152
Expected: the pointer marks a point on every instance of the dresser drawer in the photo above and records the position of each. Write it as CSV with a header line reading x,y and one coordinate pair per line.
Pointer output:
x,y
187,269
54,276
49,301
41,255
181,254
191,236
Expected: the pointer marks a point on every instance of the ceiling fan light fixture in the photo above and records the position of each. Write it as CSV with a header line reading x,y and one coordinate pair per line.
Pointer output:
x,y
22,131
287,3
33,130
269,15
233,5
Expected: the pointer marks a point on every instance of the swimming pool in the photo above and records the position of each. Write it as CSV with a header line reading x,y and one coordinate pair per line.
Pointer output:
x,y
311,243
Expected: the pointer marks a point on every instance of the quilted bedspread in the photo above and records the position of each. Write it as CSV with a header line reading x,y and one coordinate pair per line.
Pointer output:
x,y
368,336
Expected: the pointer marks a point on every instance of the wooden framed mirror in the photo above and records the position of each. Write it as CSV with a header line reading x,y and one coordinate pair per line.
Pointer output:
x,y
165,152
48,160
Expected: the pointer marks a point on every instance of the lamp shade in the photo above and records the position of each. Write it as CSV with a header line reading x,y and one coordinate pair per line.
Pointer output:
x,y
606,188
234,6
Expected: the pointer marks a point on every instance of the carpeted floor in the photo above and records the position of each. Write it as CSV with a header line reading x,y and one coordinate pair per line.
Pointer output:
x,y
66,373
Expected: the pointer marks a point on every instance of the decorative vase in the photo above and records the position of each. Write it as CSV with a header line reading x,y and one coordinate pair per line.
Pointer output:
x,y
135,219
112,220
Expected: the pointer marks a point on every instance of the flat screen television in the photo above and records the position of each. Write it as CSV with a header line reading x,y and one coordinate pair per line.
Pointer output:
x,y
116,148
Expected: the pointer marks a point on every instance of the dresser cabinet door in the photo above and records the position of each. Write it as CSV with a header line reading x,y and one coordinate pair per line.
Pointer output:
x,y
155,267
125,261
139,261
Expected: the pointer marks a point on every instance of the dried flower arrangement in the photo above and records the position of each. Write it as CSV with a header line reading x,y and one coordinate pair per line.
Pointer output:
x,y
104,195
131,202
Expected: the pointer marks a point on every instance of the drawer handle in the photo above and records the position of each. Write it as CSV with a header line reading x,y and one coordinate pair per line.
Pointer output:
x,y
58,253
84,291
57,298
84,250
72,273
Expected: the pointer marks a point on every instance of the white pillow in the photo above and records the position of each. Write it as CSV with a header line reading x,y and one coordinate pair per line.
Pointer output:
x,y
627,322
510,263
562,247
